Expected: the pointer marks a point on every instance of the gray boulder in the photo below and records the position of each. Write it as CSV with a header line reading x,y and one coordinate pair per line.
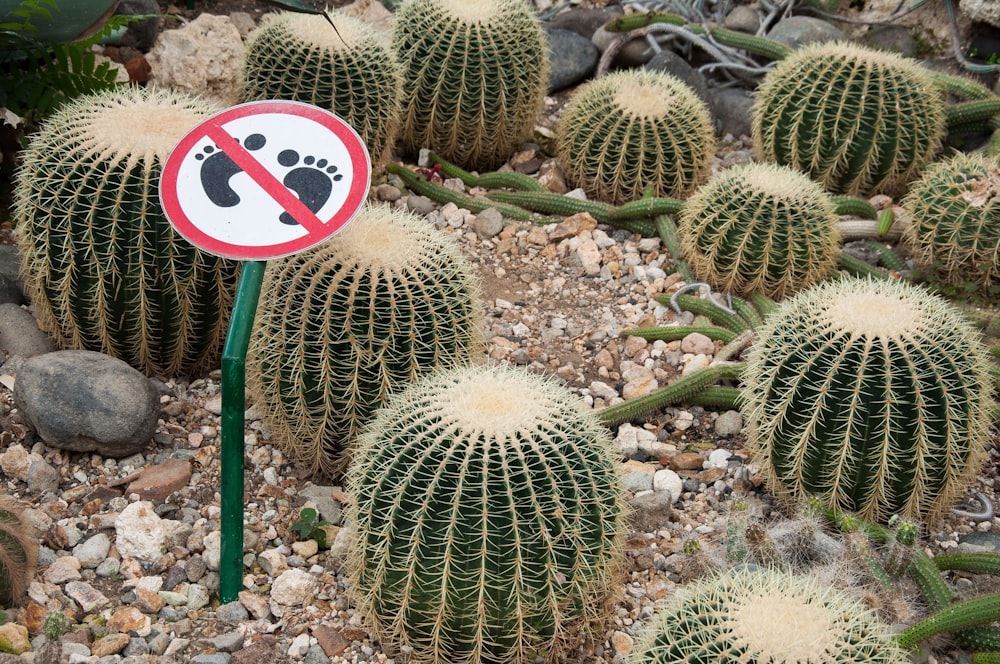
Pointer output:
x,y
20,334
87,402
571,58
796,31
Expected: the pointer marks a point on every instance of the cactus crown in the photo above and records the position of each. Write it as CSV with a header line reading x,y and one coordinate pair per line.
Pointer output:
x,y
760,227
629,131
488,515
765,617
386,299
870,395
954,228
823,111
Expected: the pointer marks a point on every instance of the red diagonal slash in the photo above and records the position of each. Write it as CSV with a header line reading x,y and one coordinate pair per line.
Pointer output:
x,y
270,184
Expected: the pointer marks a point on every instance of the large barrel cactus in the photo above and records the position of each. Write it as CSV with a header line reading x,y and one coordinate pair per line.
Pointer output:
x,y
475,77
765,617
346,322
870,395
105,269
351,71
18,552
635,131
856,120
489,517
954,228
760,228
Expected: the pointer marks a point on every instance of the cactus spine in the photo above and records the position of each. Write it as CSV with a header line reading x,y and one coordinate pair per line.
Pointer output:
x,y
104,267
760,228
630,131
18,553
870,395
954,229
489,517
345,323
765,617
823,111
356,75
475,77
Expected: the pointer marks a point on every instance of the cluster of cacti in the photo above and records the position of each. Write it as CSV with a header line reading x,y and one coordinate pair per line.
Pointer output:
x,y
346,322
954,220
856,120
475,77
633,132
760,228
105,269
18,553
351,70
489,518
765,617
870,395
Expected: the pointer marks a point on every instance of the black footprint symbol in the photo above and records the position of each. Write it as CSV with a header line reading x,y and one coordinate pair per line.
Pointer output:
x,y
313,182
219,169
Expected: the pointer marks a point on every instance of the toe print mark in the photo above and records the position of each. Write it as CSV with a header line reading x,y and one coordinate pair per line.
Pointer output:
x,y
219,169
312,182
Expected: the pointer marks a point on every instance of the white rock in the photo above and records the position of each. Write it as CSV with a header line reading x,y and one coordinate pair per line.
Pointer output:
x,y
15,462
293,587
602,390
622,643
697,344
213,550
626,440
202,58
61,570
140,532
668,481
587,256
718,459
696,363
299,646
683,421
93,551
272,562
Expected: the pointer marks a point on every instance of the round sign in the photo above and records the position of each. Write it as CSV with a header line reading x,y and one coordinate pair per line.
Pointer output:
x,y
265,179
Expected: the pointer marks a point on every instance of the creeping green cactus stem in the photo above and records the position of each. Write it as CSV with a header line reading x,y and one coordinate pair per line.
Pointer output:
x,y
953,618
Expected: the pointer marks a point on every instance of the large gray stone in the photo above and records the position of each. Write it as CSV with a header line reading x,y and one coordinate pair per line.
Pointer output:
x,y
87,402
732,108
983,11
20,334
571,58
10,291
796,31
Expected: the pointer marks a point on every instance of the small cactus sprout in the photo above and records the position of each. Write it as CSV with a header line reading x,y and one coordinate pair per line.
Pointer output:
x,y
764,616
954,229
351,71
346,322
489,518
18,553
105,269
871,395
636,130
856,120
760,228
475,77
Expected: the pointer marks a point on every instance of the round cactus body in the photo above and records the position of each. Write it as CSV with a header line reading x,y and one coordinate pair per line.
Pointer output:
x,y
635,131
489,517
856,120
344,323
475,77
765,616
760,228
356,75
954,228
870,395
105,269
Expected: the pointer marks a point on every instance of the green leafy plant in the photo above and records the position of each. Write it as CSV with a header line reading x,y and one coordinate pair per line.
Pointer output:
x,y
310,526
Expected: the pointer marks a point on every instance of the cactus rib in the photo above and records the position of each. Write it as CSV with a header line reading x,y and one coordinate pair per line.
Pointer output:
x,y
552,203
854,206
677,391
977,563
702,307
667,230
953,618
974,112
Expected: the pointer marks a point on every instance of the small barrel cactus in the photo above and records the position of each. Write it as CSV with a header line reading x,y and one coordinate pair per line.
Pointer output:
x,y
475,77
954,228
105,269
18,553
856,120
871,396
635,131
760,228
489,517
765,617
344,323
355,74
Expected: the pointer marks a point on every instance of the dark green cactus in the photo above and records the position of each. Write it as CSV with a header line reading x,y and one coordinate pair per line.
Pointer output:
x,y
760,228
18,553
870,395
856,120
352,72
343,324
636,130
475,77
105,269
489,518
765,617
954,215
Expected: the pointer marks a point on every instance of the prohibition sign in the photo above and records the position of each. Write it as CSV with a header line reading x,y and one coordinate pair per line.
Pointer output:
x,y
265,179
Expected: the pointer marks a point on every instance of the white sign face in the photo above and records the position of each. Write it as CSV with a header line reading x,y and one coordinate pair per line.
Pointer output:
x,y
265,179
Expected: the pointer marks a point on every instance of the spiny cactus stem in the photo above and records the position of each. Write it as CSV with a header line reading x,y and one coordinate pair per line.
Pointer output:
x,y
995,412
496,179
710,310
900,553
859,268
885,222
952,618
647,207
854,206
676,392
865,229
986,658
667,230
977,563
717,396
736,346
453,171
887,257
959,86
761,46
673,333
763,303
552,203
958,116
747,312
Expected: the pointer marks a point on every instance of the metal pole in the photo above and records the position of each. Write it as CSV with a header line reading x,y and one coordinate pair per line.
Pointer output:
x,y
234,355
